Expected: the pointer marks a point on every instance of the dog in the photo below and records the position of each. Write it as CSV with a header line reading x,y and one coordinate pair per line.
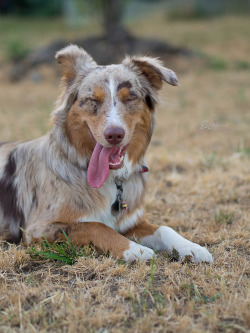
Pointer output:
x,y
87,175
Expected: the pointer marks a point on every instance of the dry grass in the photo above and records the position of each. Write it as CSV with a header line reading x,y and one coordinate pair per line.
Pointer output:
x,y
199,185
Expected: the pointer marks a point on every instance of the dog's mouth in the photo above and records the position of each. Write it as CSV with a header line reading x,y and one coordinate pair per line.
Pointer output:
x,y
116,158
103,159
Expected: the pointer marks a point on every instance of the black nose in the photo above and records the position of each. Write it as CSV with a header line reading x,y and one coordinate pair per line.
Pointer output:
x,y
114,135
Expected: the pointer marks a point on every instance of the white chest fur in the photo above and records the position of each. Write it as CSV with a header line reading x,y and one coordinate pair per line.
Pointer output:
x,y
104,214
133,187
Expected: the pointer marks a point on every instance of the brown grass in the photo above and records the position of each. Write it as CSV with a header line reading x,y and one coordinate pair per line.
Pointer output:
x,y
199,185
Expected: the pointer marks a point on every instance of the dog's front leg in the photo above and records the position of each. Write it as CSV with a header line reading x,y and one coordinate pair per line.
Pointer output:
x,y
165,238
101,236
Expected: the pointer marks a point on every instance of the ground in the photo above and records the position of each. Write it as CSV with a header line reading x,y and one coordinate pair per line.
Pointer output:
x,y
199,162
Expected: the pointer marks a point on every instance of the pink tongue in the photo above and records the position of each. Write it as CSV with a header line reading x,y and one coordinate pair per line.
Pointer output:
x,y
98,169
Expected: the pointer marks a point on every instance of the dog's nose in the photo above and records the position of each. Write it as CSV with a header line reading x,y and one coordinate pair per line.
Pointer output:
x,y
114,135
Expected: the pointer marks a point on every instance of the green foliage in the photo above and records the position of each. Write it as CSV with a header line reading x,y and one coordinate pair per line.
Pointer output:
x,y
242,64
42,8
244,149
203,9
195,293
150,298
217,63
222,217
62,252
16,50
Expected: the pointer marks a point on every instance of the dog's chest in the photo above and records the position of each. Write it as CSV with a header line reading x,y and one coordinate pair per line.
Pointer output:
x,y
121,197
103,213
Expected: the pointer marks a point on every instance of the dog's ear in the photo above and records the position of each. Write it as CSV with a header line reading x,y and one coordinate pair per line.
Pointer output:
x,y
75,65
153,70
151,74
74,61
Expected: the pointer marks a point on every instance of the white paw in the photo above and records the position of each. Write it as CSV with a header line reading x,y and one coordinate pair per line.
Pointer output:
x,y
165,238
138,252
195,252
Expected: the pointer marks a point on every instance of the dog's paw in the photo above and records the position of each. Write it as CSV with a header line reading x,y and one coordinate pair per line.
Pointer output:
x,y
138,252
193,252
165,238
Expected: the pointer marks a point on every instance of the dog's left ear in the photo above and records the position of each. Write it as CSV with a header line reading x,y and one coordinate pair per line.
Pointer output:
x,y
74,61
153,70
75,64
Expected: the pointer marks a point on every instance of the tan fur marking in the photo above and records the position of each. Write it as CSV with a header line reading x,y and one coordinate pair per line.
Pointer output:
x,y
123,93
142,229
101,236
152,73
99,94
68,69
140,139
78,133
67,214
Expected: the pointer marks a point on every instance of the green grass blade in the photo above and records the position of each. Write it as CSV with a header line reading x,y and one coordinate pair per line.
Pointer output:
x,y
54,256
46,241
69,242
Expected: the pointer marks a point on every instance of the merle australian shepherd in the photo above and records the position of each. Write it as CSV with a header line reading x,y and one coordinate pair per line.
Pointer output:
x,y
87,175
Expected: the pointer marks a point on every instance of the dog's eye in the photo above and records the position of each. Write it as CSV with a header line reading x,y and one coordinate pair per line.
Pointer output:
x,y
90,103
95,106
130,98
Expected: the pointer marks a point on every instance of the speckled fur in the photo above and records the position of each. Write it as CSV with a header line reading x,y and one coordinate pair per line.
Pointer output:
x,y
44,181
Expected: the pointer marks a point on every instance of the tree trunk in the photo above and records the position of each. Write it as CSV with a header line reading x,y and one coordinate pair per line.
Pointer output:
x,y
110,48
112,13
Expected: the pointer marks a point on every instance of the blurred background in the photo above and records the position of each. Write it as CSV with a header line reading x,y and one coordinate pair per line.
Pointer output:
x,y
207,43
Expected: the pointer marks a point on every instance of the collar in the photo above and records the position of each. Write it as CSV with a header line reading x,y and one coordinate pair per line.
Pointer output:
x,y
119,205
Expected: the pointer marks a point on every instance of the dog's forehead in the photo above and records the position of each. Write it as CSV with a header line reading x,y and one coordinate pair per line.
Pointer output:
x,y
109,75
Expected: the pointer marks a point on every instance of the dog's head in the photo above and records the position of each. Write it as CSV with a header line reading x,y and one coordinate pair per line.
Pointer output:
x,y
108,111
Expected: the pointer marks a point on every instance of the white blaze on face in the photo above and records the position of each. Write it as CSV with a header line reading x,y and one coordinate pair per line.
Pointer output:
x,y
113,118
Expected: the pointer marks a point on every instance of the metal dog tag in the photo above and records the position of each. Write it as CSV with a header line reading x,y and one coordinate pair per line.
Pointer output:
x,y
119,205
